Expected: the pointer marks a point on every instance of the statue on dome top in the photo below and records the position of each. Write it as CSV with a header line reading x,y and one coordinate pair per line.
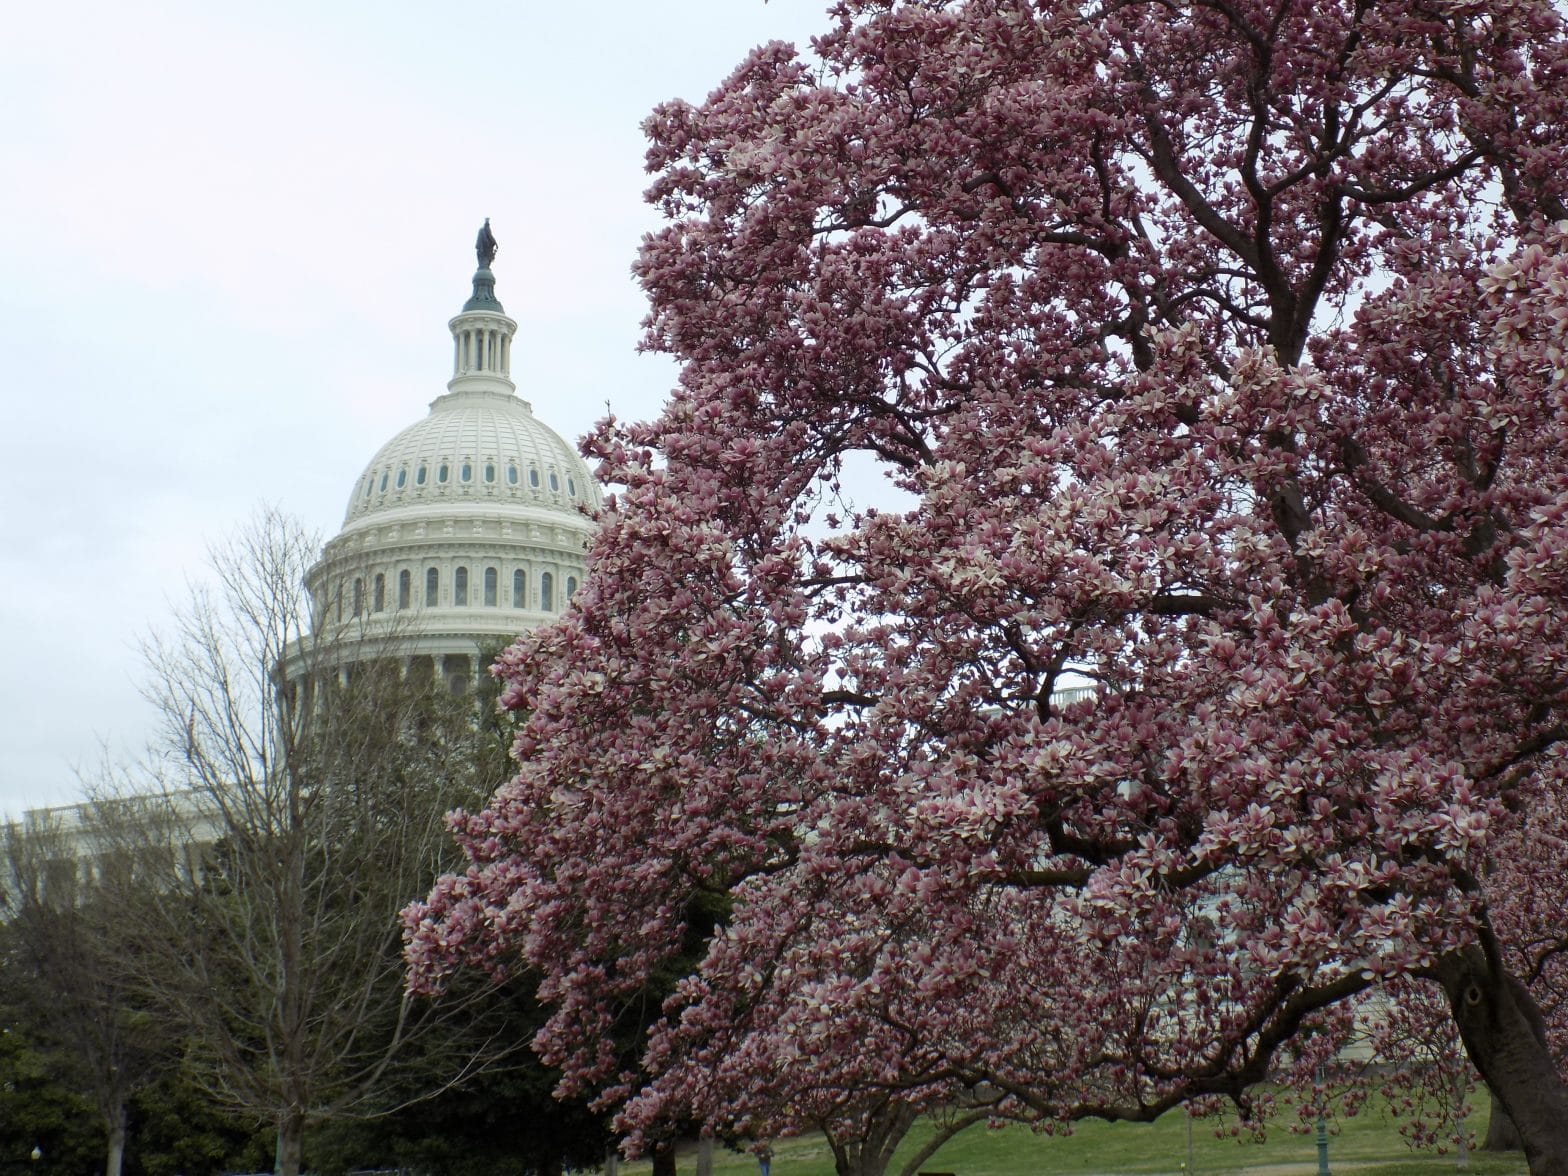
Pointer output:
x,y
484,245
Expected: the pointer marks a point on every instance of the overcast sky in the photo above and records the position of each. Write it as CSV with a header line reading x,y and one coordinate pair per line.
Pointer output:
x,y
230,240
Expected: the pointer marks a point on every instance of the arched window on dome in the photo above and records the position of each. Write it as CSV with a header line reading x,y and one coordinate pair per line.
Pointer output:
x,y
459,587
492,586
490,471
419,476
533,477
405,588
465,472
547,592
402,478
384,475
571,486
432,587
511,475
442,473
555,483
359,595
378,593
519,589
571,588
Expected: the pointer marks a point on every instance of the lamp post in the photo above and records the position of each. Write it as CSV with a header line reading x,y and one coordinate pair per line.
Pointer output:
x,y
1322,1133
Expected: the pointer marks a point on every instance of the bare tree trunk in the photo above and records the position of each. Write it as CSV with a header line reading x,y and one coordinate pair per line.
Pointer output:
x,y
115,1159
291,1144
1501,1028
664,1158
1501,1134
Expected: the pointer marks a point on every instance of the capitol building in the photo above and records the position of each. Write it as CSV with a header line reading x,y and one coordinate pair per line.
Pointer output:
x,y
466,528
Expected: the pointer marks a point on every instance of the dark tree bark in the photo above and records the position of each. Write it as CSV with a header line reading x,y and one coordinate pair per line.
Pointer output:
x,y
1502,1031
1501,1134
664,1158
291,1144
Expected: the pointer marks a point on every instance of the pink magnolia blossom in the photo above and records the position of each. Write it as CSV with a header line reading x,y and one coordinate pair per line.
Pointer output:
x,y
1210,354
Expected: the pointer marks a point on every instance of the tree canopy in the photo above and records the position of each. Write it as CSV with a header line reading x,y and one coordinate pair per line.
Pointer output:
x,y
1206,354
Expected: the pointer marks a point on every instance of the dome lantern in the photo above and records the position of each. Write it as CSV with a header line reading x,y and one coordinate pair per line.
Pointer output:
x,y
481,333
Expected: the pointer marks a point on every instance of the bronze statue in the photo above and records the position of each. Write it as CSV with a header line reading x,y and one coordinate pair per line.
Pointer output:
x,y
484,246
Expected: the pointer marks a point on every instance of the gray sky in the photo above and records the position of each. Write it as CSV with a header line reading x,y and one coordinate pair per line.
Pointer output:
x,y
230,240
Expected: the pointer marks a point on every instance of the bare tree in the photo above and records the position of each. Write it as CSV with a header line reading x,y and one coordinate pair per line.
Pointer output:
x,y
296,803
63,954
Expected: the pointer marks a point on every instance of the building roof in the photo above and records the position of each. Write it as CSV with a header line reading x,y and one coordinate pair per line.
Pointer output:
x,y
476,448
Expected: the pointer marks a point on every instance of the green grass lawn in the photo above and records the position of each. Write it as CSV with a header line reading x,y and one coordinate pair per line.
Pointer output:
x,y
1369,1145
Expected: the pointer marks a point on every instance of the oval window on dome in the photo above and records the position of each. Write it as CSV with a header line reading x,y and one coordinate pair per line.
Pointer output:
x,y
465,472
571,486
370,484
442,472
419,476
511,475
402,479
489,471
383,481
533,477
555,482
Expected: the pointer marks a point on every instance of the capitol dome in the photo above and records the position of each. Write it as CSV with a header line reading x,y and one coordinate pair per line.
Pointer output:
x,y
475,447
467,527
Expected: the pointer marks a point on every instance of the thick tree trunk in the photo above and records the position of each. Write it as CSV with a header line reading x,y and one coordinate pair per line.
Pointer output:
x,y
1501,1134
291,1144
1501,1028
664,1158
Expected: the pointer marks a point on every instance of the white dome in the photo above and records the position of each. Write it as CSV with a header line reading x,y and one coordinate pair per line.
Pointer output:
x,y
467,528
477,447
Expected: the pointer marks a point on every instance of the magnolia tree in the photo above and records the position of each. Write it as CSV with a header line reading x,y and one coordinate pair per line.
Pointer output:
x,y
1207,354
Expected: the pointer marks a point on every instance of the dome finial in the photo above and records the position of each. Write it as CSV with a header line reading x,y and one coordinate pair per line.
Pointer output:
x,y
484,281
484,245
